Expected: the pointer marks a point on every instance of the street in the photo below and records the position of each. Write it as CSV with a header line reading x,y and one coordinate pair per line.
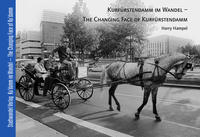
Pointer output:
x,y
179,109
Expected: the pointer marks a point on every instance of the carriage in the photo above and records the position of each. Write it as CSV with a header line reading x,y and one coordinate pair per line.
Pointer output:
x,y
148,74
60,88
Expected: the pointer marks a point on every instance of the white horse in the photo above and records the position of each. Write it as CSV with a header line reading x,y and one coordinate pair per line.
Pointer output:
x,y
149,74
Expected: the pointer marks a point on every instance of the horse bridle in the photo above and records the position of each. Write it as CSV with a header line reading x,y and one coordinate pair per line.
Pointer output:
x,y
186,65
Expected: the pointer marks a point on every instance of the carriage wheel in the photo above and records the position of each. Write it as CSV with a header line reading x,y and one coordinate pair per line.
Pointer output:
x,y
84,89
26,88
61,96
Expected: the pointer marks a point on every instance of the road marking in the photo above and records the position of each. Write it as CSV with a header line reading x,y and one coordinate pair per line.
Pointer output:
x,y
34,105
161,99
75,120
92,126
79,121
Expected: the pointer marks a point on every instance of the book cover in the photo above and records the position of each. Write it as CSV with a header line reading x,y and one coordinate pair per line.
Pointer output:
x,y
88,67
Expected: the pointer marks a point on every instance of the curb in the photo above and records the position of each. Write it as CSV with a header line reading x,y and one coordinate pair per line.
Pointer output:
x,y
181,85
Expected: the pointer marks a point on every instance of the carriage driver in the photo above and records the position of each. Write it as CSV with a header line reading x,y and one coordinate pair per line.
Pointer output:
x,y
65,57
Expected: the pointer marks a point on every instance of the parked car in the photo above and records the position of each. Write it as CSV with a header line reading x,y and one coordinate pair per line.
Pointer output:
x,y
19,65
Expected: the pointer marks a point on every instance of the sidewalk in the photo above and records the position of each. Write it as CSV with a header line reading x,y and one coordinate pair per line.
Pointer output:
x,y
28,127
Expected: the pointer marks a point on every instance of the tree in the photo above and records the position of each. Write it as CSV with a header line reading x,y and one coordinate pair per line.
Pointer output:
x,y
189,49
75,31
115,36
107,40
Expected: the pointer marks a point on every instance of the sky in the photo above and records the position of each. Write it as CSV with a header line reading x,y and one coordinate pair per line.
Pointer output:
x,y
29,12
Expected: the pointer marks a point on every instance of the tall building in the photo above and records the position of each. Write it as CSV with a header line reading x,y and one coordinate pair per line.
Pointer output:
x,y
51,29
164,44
30,44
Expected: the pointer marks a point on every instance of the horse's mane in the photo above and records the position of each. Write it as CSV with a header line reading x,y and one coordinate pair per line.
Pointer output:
x,y
165,56
153,60
162,57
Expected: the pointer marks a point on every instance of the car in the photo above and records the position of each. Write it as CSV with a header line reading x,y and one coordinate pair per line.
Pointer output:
x,y
19,65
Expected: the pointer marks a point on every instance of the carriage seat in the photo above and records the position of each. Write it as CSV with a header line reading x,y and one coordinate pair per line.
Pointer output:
x,y
29,69
66,75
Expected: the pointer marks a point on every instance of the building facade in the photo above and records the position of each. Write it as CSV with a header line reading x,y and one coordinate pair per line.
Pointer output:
x,y
163,44
30,44
51,30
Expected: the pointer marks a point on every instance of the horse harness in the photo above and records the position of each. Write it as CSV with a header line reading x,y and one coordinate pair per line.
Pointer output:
x,y
185,64
141,64
140,75
153,78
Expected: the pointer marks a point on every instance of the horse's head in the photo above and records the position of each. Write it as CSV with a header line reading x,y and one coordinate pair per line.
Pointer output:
x,y
181,68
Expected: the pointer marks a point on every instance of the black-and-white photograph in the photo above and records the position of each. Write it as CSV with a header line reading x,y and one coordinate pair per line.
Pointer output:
x,y
99,68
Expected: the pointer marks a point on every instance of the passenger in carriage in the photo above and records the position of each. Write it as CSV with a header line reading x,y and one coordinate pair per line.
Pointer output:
x,y
41,74
40,69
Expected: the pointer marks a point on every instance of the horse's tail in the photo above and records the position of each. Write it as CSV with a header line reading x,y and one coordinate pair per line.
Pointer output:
x,y
103,79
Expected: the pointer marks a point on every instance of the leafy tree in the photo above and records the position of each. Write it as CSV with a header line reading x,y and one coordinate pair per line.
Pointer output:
x,y
75,31
189,49
120,36
107,41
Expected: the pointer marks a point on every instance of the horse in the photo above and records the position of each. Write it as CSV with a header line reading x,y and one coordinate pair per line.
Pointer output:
x,y
150,74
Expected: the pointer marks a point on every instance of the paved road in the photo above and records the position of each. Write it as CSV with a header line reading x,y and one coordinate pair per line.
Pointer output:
x,y
178,107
